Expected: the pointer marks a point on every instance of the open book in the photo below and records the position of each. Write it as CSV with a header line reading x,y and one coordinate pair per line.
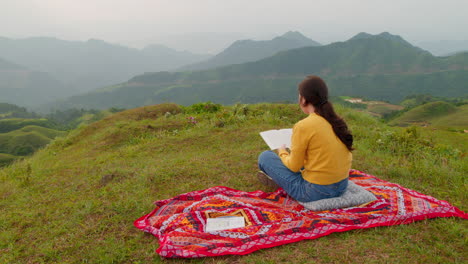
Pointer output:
x,y
224,222
277,137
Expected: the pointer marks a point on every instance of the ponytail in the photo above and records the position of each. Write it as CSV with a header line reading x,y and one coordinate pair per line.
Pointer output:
x,y
314,91
338,124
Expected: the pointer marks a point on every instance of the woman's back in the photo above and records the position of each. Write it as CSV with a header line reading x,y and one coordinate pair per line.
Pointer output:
x,y
327,160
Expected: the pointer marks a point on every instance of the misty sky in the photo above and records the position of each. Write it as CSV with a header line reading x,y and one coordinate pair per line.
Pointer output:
x,y
207,26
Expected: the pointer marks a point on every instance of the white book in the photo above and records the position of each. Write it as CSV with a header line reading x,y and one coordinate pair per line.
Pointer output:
x,y
225,222
277,137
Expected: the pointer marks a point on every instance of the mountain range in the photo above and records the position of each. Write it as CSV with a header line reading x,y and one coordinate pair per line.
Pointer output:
x,y
83,66
22,86
74,67
383,67
248,50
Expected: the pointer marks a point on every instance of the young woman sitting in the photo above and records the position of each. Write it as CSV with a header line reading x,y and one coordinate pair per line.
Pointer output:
x,y
319,161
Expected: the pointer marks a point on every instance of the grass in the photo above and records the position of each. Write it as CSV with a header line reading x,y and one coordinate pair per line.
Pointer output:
x,y
76,200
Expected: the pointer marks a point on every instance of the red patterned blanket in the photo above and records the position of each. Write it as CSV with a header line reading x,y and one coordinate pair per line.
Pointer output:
x,y
274,218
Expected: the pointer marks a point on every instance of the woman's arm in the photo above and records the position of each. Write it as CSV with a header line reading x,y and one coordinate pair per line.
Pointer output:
x,y
299,142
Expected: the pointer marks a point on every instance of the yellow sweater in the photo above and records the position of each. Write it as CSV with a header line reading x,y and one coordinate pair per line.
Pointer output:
x,y
316,148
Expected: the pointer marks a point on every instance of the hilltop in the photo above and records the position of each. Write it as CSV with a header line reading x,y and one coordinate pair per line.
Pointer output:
x,y
75,200
381,67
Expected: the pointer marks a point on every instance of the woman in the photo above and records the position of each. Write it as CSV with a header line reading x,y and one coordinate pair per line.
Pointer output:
x,y
318,164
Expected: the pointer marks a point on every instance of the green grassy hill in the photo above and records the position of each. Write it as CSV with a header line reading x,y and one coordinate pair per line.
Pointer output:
x,y
27,140
75,201
10,124
22,133
435,114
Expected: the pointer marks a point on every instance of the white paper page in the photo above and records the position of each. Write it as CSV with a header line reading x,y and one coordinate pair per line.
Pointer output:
x,y
277,137
222,223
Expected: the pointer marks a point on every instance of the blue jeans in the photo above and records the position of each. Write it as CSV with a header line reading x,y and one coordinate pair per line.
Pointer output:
x,y
293,183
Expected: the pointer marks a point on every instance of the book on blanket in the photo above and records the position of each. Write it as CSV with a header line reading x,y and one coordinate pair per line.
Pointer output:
x,y
224,222
275,138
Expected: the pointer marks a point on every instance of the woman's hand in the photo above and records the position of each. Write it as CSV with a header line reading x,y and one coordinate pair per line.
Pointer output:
x,y
282,148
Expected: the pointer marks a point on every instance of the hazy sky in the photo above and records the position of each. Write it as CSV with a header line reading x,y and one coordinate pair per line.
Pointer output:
x,y
211,25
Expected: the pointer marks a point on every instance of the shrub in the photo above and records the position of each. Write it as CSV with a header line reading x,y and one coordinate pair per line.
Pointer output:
x,y
207,107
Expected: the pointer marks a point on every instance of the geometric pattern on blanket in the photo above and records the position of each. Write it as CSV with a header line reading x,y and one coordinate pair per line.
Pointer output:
x,y
277,219
354,195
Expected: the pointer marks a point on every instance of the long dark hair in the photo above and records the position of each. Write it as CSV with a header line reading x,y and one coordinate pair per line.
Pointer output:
x,y
314,91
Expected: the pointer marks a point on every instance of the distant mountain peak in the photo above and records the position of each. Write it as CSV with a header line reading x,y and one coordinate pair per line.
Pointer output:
x,y
294,35
385,35
297,37
362,35
248,50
